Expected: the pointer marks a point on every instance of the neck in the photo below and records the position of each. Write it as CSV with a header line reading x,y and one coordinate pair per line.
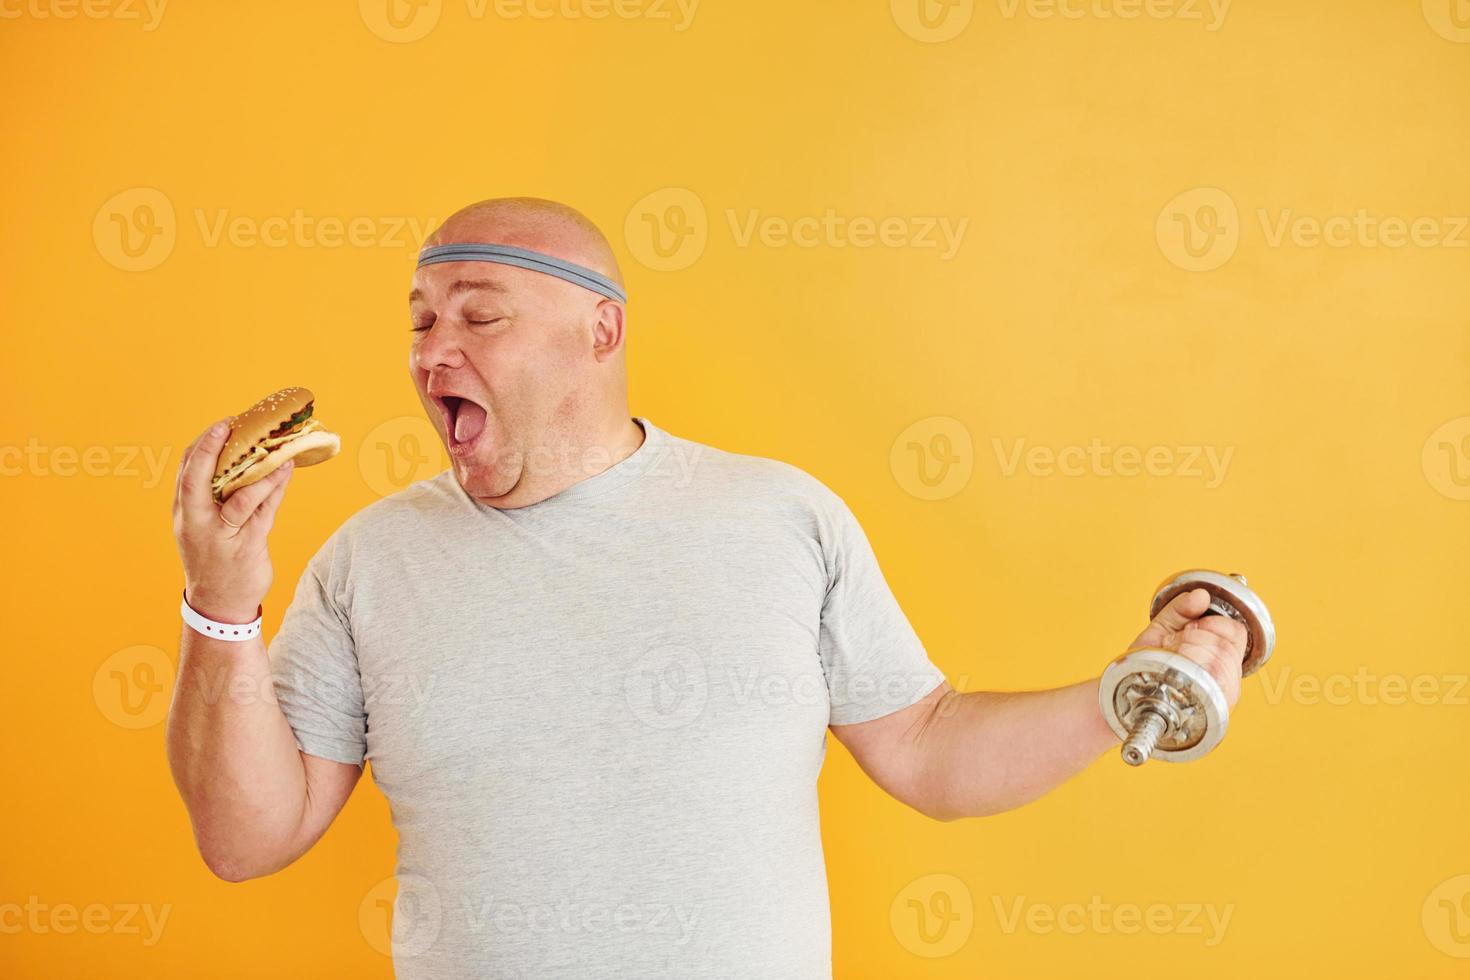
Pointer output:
x,y
570,459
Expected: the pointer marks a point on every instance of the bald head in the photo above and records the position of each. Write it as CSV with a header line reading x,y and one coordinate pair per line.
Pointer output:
x,y
533,223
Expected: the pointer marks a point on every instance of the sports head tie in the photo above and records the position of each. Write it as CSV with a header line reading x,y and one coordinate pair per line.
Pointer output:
x,y
524,258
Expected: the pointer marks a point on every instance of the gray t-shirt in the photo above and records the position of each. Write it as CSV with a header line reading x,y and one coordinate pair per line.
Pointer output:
x,y
599,719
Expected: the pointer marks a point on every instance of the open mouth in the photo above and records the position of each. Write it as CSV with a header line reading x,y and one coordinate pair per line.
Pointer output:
x,y
464,421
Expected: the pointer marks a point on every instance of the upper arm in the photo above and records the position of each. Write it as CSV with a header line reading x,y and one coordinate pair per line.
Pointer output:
x,y
889,749
318,680
873,660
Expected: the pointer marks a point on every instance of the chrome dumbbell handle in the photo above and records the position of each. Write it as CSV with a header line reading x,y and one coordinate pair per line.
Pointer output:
x,y
1139,744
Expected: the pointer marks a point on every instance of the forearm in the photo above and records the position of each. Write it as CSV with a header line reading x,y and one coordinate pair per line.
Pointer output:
x,y
234,758
980,753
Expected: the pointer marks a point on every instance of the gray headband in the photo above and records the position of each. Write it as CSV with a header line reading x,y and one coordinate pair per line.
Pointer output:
x,y
524,258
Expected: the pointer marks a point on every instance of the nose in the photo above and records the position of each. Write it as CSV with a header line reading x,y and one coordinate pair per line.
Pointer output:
x,y
438,347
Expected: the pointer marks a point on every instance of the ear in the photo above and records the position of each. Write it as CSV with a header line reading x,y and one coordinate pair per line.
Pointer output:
x,y
608,330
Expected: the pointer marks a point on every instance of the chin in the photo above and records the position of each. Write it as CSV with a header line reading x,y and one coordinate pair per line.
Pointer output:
x,y
481,479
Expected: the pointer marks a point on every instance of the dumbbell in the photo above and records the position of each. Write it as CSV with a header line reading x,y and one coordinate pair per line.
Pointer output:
x,y
1166,706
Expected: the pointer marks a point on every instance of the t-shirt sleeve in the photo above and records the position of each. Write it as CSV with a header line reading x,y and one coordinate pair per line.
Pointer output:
x,y
874,661
314,666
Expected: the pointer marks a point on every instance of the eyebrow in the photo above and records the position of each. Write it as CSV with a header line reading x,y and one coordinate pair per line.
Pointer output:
x,y
465,286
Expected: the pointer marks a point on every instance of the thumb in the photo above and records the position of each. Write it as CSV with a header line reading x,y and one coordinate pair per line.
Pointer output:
x,y
1183,609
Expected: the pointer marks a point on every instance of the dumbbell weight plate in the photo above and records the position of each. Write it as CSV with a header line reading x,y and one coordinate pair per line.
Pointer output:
x,y
1136,674
1227,594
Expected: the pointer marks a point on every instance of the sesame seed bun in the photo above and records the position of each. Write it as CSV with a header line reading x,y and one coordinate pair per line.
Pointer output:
x,y
262,438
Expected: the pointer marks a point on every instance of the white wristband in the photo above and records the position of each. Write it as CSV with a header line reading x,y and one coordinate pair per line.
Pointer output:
x,y
233,632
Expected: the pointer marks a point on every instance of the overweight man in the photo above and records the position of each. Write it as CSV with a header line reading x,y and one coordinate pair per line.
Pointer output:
x,y
594,664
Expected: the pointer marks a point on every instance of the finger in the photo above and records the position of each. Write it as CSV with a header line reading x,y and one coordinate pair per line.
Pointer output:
x,y
198,473
265,514
1232,630
1213,652
244,502
1183,608
1200,641
184,462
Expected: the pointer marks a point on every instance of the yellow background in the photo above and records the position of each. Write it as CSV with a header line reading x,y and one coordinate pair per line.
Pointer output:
x,y
1333,828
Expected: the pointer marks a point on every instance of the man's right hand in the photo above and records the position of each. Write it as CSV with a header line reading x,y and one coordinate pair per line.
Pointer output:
x,y
227,571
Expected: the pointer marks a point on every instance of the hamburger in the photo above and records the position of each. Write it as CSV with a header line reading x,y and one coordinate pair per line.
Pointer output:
x,y
276,428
